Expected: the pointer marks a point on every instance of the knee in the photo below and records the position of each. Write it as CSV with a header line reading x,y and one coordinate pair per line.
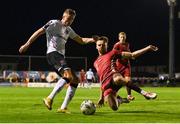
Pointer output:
x,y
111,100
67,74
71,76
114,107
118,79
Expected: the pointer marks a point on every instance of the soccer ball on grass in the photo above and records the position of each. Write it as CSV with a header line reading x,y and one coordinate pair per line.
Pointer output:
x,y
88,107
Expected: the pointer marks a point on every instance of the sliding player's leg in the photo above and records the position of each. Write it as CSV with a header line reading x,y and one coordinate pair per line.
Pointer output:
x,y
119,80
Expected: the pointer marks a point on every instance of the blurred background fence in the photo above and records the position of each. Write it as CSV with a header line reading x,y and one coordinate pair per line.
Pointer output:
x,y
37,68
36,63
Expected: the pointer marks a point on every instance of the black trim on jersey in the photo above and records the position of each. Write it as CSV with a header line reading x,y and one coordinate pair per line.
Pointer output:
x,y
47,25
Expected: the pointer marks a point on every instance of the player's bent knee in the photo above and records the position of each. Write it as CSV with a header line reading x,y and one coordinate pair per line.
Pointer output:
x,y
111,99
67,74
71,76
114,107
118,79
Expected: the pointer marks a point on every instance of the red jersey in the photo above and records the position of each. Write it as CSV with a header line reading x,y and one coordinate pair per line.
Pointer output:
x,y
103,67
122,64
82,76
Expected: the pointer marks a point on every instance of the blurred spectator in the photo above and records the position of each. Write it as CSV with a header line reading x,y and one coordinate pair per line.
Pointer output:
x,y
90,77
25,78
13,77
42,76
82,77
34,76
52,77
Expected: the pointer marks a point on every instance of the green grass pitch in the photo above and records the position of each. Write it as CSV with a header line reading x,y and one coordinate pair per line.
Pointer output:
x,y
24,105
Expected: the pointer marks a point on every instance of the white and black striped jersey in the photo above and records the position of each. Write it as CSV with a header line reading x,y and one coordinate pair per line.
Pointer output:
x,y
57,35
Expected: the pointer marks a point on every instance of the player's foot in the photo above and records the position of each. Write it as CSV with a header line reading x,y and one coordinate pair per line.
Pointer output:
x,y
150,95
48,103
63,111
130,98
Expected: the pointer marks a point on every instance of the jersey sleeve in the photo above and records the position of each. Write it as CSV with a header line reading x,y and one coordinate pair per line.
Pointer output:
x,y
115,52
116,46
49,25
72,33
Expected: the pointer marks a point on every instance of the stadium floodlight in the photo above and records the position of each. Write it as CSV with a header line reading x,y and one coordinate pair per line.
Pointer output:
x,y
171,2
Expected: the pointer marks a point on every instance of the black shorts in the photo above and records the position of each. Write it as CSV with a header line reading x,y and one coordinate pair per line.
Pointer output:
x,y
90,80
57,61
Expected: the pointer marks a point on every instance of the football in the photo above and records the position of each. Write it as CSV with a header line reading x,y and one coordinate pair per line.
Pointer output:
x,y
88,107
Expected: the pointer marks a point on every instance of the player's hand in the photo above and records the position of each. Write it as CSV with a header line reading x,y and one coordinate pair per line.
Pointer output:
x,y
152,48
100,102
95,37
23,48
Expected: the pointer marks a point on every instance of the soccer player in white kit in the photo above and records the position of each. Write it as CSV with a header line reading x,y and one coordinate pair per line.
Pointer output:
x,y
57,33
90,77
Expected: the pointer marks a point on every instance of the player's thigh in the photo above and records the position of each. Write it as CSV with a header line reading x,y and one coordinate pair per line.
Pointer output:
x,y
118,79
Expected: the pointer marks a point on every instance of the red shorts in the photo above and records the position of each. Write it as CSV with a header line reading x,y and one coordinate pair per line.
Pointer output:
x,y
109,87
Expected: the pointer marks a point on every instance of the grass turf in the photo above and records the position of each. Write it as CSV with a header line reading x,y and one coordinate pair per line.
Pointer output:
x,y
24,105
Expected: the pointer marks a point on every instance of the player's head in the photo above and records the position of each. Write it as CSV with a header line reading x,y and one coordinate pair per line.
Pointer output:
x,y
122,37
102,44
68,17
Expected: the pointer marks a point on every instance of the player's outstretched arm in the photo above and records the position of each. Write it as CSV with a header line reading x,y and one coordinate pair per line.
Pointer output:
x,y
81,40
33,37
137,53
144,50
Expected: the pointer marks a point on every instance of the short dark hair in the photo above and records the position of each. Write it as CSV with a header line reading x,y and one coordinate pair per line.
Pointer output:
x,y
96,38
70,12
104,38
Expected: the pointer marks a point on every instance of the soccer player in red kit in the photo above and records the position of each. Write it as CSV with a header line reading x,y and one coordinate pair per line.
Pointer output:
x,y
82,77
112,81
122,65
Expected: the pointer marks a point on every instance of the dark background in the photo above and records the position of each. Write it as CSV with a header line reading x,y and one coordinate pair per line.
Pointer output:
x,y
144,21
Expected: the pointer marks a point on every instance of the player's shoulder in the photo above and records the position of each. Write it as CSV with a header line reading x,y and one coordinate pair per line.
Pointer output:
x,y
97,59
51,22
117,43
54,21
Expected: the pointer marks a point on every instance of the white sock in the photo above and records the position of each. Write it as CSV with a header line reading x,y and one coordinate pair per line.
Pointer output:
x,y
143,92
69,95
58,87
